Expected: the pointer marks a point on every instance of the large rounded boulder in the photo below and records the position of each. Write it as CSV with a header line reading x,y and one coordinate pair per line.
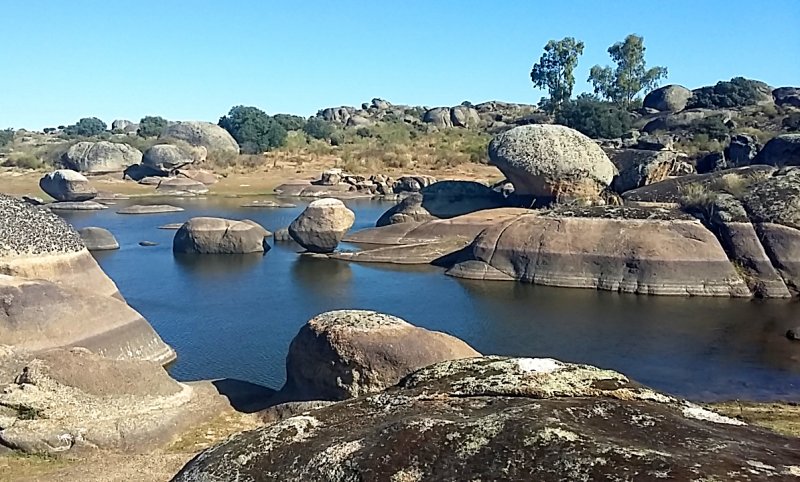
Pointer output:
x,y
204,235
495,418
211,136
670,98
100,157
98,239
161,159
783,150
322,225
552,163
67,185
348,353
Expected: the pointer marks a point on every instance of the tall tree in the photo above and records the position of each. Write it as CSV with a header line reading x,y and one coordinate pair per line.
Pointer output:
x,y
623,83
554,71
253,129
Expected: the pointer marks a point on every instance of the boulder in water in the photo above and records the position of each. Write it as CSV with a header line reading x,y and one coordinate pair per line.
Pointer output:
x,y
98,239
204,235
322,225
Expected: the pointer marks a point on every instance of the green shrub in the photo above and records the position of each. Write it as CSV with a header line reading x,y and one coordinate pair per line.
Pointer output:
x,y
594,118
318,128
696,198
253,129
151,126
6,136
290,122
86,127
713,127
738,92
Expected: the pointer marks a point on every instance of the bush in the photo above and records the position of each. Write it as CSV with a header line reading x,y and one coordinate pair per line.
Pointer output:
x,y
713,127
6,136
318,128
290,122
151,126
594,118
86,127
253,129
738,92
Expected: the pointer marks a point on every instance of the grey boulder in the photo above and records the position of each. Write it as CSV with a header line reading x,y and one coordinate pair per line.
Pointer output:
x,y
100,157
67,185
670,98
322,225
98,239
205,235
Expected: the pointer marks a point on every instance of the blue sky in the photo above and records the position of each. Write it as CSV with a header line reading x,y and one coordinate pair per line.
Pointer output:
x,y
181,59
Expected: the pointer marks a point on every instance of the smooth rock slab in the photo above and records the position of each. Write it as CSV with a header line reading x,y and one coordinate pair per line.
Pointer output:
x,y
98,239
149,209
77,206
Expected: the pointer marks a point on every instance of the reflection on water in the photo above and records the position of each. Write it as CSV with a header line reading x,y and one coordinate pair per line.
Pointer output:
x,y
234,316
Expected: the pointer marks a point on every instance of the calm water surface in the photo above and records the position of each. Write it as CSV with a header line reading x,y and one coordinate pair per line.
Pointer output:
x,y
234,316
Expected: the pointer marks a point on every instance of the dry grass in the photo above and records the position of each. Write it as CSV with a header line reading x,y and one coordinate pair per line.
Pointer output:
x,y
783,418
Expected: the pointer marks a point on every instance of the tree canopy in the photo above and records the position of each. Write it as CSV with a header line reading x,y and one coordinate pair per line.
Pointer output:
x,y
6,136
318,128
253,129
738,92
86,127
594,118
554,71
623,83
151,126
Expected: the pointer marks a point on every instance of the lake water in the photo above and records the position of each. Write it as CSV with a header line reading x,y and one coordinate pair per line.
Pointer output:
x,y
234,316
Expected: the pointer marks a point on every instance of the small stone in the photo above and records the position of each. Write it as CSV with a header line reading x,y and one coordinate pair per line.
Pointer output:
x,y
147,243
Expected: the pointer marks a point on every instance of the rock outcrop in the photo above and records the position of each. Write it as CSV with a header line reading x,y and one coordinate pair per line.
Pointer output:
x,y
57,295
780,151
204,235
149,209
670,98
322,225
616,249
98,239
639,167
211,136
443,200
348,353
180,186
495,418
67,185
100,157
552,163
162,159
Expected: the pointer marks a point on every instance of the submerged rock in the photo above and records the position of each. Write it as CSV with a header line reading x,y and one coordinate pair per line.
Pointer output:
x,y
76,206
347,353
495,418
204,235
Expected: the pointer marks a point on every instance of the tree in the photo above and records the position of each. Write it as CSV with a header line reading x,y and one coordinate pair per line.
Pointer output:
x,y
554,71
318,128
594,118
290,122
86,127
151,126
253,129
6,136
622,84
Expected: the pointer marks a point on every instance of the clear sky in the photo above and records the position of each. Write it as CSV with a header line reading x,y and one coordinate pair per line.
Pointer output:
x,y
194,59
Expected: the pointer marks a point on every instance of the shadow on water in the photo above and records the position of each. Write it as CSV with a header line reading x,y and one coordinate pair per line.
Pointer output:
x,y
244,396
322,276
217,265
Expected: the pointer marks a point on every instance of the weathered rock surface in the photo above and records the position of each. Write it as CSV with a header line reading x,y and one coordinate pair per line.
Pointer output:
x,y
552,163
348,353
782,150
670,98
442,200
495,418
322,225
211,136
163,158
412,183
180,186
670,190
74,400
76,206
684,119
149,209
787,96
639,167
57,295
67,185
204,235
98,239
617,253
775,199
307,189
100,157
206,177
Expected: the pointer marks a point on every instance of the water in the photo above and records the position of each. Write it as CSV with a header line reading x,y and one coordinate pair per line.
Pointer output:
x,y
234,316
